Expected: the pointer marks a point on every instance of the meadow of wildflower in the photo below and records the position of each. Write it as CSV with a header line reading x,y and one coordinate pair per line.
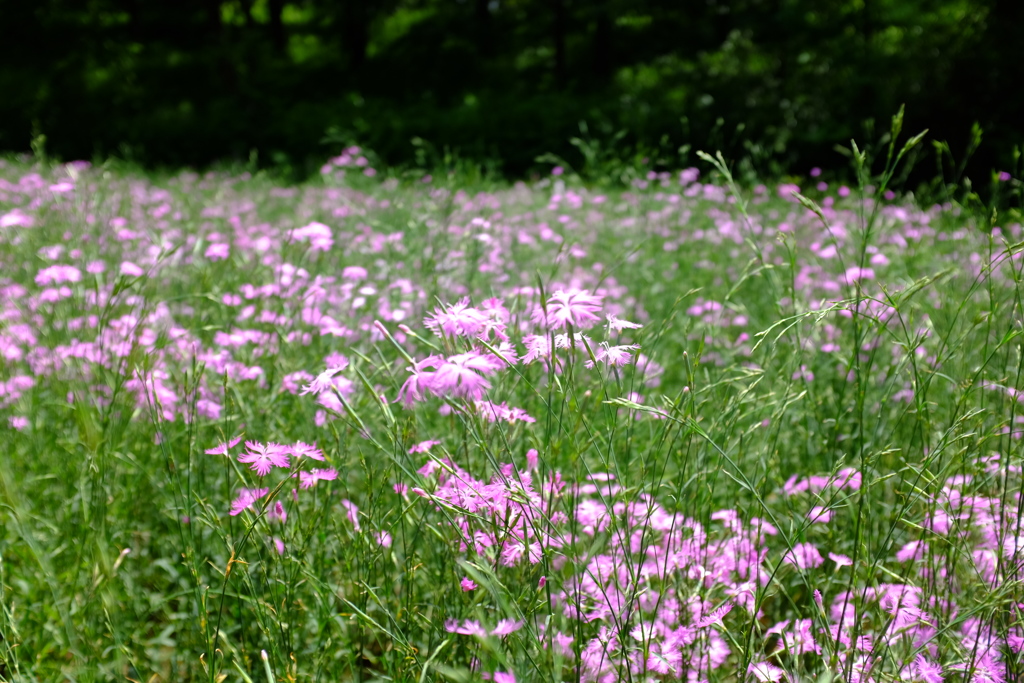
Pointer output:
x,y
380,428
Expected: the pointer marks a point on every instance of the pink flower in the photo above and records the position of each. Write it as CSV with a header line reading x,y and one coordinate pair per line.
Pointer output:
x,y
458,319
618,324
506,626
420,382
914,550
467,584
423,446
352,512
575,307
819,515
462,375
467,628
264,457
537,347
613,355
305,450
245,499
217,251
804,556
223,448
308,480
129,269
494,412
840,560
277,513
765,672
927,671
323,382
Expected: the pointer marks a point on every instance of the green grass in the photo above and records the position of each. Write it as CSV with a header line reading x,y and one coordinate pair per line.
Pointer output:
x,y
764,357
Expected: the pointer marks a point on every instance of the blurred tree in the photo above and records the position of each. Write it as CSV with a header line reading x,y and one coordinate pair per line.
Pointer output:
x,y
196,80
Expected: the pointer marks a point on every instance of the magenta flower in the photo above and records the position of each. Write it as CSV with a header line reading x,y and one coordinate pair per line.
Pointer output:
x,y
467,584
263,458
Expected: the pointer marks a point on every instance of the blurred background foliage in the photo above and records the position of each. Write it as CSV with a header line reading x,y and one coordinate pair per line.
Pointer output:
x,y
281,82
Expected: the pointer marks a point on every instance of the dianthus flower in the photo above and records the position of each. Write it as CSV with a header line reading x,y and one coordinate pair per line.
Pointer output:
x,y
264,457
575,307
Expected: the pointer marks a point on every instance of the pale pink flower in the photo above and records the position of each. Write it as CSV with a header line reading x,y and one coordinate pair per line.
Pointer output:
x,y
462,375
323,382
576,307
612,355
619,324
129,269
458,319
537,347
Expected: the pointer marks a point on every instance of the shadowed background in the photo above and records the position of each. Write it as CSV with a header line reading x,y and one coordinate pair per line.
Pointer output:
x,y
779,82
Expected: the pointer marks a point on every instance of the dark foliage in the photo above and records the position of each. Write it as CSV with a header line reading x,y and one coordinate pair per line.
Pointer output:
x,y
777,81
